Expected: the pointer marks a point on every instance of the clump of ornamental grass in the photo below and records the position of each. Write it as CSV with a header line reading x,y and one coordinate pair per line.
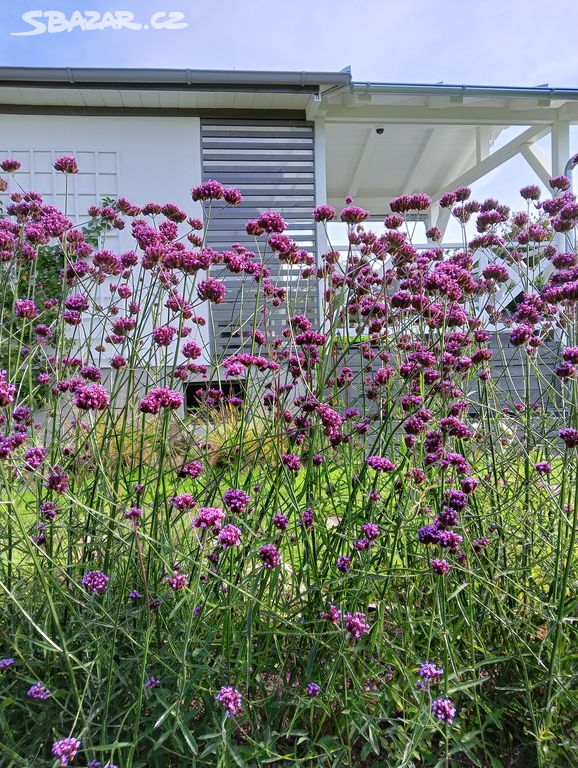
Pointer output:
x,y
218,432
361,554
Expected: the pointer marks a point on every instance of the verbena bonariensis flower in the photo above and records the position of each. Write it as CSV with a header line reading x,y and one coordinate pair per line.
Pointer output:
x,y
236,500
570,436
191,350
208,517
25,308
183,501
543,467
6,663
135,514
91,373
152,682
380,464
91,397
66,164
38,691
232,196
164,335
353,214
280,521
65,750
177,580
98,764
191,469
48,510
429,673
231,700
291,461
313,690
208,190
440,567
229,536
10,166
343,563
478,545
530,192
57,480
34,457
323,213
211,290
444,710
356,625
269,555
307,518
371,530
560,182
7,391
332,615
95,581
160,397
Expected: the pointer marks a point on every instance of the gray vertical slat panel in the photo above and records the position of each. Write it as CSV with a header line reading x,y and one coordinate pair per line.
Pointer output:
x,y
272,163
508,369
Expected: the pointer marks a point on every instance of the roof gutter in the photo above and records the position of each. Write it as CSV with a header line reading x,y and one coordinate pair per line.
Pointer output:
x,y
170,79
408,89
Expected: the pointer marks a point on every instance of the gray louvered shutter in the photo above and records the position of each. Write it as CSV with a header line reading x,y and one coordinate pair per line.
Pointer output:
x,y
272,163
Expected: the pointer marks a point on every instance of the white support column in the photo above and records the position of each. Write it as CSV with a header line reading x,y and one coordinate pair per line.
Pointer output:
x,y
560,146
443,220
482,142
320,169
560,156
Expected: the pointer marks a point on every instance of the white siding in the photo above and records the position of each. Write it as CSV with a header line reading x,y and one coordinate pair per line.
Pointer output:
x,y
141,158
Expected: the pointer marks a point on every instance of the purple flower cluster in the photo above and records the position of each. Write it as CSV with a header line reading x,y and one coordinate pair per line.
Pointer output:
x,y
231,700
91,397
236,500
95,581
160,397
208,517
66,750
356,625
380,464
269,555
444,710
38,691
177,580
211,290
229,536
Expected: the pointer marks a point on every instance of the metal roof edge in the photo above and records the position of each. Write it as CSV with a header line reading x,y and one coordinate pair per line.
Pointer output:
x,y
187,79
443,89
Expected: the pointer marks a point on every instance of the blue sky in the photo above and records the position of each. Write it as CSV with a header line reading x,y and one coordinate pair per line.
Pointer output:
x,y
497,42
488,42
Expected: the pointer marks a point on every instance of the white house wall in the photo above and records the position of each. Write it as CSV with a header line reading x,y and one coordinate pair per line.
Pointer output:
x,y
145,159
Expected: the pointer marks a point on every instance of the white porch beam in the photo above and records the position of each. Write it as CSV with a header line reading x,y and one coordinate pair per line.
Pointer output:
x,y
360,163
560,146
453,115
538,162
493,161
407,184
